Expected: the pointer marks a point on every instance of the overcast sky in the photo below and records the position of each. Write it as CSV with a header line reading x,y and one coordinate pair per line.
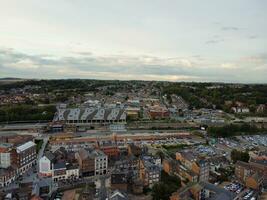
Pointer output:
x,y
172,40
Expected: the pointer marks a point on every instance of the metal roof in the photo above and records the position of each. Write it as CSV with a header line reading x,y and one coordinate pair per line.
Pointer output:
x,y
25,146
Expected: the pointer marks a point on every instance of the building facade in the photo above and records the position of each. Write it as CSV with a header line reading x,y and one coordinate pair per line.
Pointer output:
x,y
26,156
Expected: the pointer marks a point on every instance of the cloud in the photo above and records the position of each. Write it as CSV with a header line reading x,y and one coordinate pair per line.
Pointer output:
x,y
254,60
214,41
228,66
25,64
230,28
252,37
134,67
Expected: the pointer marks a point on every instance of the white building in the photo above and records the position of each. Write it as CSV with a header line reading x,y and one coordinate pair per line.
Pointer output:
x,y
45,165
240,110
59,171
72,172
5,160
101,162
5,155
62,171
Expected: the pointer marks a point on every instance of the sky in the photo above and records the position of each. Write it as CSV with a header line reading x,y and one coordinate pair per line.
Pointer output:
x,y
165,40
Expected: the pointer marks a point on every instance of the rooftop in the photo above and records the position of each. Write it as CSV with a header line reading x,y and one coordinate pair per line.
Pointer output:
x,y
25,146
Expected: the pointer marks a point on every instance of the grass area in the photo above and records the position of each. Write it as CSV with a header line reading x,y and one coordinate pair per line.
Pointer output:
x,y
175,147
39,144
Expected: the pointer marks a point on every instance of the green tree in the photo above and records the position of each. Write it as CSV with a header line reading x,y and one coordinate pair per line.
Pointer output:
x,y
239,155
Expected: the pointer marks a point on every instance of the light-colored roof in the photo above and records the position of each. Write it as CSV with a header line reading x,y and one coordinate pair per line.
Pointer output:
x,y
25,146
91,113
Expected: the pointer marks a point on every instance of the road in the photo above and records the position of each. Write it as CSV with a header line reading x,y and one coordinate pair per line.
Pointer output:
x,y
45,139
102,189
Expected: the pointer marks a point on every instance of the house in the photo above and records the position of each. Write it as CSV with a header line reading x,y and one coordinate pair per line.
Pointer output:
x,y
45,164
118,195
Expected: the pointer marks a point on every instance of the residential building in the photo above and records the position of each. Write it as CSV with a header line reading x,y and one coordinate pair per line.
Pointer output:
x,y
193,162
45,164
253,172
63,171
119,180
254,181
149,172
7,176
92,162
158,112
134,150
26,156
72,171
101,162
202,190
59,171
86,163
109,148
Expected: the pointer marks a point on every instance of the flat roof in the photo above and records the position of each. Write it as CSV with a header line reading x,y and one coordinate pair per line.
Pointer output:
x,y
25,146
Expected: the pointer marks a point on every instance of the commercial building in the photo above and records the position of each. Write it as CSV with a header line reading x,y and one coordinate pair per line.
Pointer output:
x,y
149,172
252,174
158,112
7,176
90,115
59,171
26,156
92,162
111,149
119,180
191,162
86,163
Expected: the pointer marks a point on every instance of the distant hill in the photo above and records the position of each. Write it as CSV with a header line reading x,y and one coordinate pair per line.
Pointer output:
x,y
8,80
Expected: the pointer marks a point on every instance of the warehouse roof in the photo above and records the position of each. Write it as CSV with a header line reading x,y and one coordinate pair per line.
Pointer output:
x,y
91,113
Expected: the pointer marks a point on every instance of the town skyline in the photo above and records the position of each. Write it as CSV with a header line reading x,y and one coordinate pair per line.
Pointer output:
x,y
152,40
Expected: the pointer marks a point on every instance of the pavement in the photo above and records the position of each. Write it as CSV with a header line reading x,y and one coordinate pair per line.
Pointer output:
x,y
41,151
